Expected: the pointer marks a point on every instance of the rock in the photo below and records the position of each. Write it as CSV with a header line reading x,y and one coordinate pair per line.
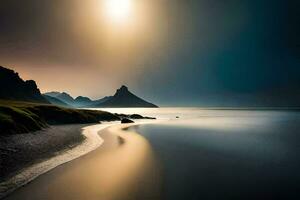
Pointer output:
x,y
136,116
126,121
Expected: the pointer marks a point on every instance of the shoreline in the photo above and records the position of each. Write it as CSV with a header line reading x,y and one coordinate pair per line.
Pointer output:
x,y
123,167
23,150
94,139
91,141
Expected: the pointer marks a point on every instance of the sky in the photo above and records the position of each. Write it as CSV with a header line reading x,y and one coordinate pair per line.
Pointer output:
x,y
170,52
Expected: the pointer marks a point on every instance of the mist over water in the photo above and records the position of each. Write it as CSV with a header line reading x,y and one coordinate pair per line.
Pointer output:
x,y
227,154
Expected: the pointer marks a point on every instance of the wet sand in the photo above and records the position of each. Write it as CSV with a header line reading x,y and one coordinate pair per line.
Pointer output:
x,y
39,152
122,168
20,151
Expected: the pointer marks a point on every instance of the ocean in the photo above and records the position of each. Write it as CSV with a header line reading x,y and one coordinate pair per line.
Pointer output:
x,y
225,154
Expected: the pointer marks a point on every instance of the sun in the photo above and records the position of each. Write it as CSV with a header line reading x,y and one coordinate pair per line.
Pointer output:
x,y
118,10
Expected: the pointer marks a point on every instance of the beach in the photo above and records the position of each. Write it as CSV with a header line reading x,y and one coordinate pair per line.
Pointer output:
x,y
26,156
123,167
22,150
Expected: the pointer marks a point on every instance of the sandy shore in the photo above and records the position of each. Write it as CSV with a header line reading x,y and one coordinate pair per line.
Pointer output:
x,y
22,150
29,155
122,168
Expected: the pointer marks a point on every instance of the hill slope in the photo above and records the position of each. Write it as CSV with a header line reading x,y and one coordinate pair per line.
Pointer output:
x,y
23,117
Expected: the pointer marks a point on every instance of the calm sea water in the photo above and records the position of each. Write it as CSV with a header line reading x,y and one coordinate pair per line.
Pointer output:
x,y
226,154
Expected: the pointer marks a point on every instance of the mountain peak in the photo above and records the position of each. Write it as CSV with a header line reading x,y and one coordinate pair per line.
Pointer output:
x,y
123,88
66,98
82,98
64,93
124,98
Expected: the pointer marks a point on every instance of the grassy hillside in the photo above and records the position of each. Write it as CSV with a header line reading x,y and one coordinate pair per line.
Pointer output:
x,y
22,117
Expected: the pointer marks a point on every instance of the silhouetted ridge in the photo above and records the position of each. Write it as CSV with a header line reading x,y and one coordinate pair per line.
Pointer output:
x,y
12,87
52,94
66,98
82,101
124,98
56,101
102,100
62,96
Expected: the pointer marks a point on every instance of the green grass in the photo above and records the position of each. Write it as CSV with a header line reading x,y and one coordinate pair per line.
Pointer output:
x,y
22,117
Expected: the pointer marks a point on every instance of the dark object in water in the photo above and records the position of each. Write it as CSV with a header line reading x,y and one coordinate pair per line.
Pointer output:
x,y
126,121
177,117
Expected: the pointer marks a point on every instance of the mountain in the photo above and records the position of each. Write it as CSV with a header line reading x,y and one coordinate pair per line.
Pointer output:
x,y
93,103
62,96
12,87
102,100
124,98
65,97
82,101
52,94
56,101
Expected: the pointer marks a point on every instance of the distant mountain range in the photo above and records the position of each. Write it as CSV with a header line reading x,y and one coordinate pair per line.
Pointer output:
x,y
57,102
61,98
12,87
69,101
122,98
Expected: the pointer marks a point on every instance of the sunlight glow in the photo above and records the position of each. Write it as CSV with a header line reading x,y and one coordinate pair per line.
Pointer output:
x,y
118,10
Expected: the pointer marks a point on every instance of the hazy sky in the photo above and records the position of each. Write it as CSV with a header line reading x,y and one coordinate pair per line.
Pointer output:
x,y
172,52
